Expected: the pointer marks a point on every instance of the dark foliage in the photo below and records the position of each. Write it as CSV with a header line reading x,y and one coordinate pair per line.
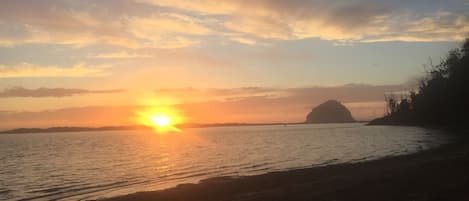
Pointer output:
x,y
442,98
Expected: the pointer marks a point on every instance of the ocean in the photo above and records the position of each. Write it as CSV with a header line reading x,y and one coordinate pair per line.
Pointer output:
x,y
92,165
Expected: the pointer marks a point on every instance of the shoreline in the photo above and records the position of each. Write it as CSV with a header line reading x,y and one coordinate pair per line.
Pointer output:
x,y
66,129
436,174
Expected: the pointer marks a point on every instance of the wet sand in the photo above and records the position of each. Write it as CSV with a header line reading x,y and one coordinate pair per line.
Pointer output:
x,y
437,174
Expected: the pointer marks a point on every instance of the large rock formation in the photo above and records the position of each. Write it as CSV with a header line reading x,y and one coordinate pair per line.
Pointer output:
x,y
331,111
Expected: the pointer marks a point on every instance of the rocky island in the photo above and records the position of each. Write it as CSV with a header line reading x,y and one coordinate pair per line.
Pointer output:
x,y
331,111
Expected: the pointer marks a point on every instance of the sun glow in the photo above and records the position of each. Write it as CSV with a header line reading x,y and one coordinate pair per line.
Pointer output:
x,y
161,119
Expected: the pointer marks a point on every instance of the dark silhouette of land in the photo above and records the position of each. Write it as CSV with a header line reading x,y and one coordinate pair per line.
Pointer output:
x,y
438,174
70,129
442,99
134,127
331,111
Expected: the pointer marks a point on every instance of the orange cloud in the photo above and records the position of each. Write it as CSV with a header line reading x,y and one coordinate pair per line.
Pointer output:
x,y
50,92
31,70
121,55
69,116
244,40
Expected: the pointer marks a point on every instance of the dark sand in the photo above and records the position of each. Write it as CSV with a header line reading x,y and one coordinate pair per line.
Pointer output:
x,y
438,174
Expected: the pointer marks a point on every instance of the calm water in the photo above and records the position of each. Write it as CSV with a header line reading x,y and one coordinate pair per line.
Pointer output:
x,y
90,165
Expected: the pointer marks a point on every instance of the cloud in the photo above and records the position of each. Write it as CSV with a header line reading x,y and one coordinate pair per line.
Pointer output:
x,y
89,23
439,26
270,104
148,27
215,91
358,20
32,70
50,92
121,55
244,40
167,31
80,116
170,24
56,22
315,94
202,6
286,105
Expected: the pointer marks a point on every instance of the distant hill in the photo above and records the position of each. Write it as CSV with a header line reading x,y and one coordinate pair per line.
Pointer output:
x,y
331,111
71,129
135,127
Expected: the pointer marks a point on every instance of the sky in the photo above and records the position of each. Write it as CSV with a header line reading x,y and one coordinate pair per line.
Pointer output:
x,y
95,63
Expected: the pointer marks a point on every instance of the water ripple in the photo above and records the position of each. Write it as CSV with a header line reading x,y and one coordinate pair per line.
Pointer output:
x,y
78,166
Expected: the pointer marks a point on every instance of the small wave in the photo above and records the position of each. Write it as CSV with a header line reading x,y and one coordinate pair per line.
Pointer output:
x,y
80,191
327,162
256,166
196,174
50,190
259,170
360,159
232,166
292,148
4,191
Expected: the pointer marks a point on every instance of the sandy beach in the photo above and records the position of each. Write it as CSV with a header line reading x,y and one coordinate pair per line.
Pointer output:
x,y
437,174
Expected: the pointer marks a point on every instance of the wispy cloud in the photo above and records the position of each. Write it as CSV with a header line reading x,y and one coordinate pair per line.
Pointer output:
x,y
121,55
80,116
306,95
50,92
358,20
81,24
56,22
32,70
166,31
266,104
244,40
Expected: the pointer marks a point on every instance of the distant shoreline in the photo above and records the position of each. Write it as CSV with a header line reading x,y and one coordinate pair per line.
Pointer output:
x,y
137,127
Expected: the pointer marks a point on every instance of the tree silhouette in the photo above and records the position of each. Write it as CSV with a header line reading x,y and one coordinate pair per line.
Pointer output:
x,y
442,98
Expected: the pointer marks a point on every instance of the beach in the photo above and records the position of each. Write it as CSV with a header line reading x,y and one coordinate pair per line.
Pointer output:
x,y
436,174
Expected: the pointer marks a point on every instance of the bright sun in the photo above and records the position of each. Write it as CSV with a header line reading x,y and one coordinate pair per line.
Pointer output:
x,y
162,120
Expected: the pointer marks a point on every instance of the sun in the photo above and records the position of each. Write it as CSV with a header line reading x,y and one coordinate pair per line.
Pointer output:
x,y
161,119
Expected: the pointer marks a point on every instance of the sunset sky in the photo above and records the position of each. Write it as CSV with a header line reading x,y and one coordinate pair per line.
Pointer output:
x,y
96,62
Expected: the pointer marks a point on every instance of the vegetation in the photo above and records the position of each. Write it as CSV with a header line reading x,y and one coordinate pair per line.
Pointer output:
x,y
442,98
